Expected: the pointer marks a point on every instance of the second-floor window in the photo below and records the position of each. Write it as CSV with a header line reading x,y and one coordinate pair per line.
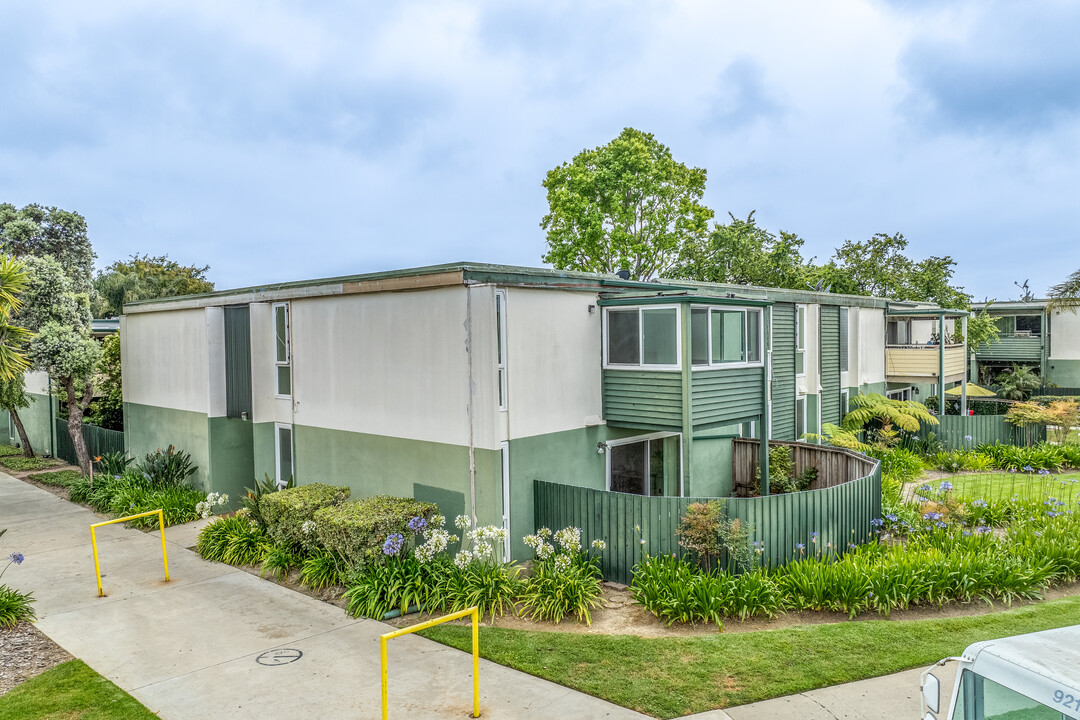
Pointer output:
x,y
725,336
282,352
800,339
642,337
845,346
500,340
899,332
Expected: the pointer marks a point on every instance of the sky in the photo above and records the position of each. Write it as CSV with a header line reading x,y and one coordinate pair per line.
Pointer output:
x,y
274,142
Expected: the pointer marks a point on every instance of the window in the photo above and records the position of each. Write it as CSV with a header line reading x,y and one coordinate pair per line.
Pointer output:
x,y
504,448
643,336
722,336
283,449
800,339
646,465
904,394
282,355
800,417
1029,325
845,403
845,346
899,332
982,698
500,341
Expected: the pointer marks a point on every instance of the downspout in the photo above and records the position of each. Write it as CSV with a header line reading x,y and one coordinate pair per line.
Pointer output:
x,y
964,380
941,364
763,445
687,400
469,403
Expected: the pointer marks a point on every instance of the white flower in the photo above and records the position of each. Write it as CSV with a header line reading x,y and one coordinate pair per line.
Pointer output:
x,y
307,527
599,545
462,559
543,532
545,551
562,563
462,521
437,521
570,539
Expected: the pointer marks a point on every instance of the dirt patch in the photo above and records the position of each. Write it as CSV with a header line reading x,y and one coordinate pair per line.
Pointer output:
x,y
27,476
25,652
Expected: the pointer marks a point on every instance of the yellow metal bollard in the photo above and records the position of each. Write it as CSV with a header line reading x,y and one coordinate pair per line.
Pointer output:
x,y
474,612
161,531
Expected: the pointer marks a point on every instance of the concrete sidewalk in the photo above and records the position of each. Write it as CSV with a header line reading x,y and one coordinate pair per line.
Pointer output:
x,y
217,642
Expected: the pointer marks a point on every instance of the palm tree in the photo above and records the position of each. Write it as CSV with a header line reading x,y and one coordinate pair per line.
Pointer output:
x,y
13,280
1065,295
1018,383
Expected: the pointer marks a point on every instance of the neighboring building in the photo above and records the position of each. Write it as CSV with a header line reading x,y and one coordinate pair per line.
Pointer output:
x,y
921,362
1031,336
464,383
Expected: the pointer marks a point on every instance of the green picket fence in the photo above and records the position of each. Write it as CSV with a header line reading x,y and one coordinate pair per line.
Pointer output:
x,y
963,432
634,526
98,441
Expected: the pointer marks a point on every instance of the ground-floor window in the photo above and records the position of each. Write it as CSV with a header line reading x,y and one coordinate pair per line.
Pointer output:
x,y
845,403
505,455
800,417
283,450
646,465
904,394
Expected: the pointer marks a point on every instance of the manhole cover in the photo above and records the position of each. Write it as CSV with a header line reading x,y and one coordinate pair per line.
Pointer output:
x,y
284,656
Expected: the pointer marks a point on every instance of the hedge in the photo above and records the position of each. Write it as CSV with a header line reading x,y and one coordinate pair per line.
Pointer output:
x,y
285,512
356,530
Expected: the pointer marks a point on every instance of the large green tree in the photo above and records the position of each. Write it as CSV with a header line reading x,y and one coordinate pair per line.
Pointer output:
x,y
13,398
1066,294
627,205
143,277
743,253
56,303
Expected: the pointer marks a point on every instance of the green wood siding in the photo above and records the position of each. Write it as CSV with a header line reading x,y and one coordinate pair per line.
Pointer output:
x,y
726,396
237,361
644,399
954,431
1028,349
830,364
783,371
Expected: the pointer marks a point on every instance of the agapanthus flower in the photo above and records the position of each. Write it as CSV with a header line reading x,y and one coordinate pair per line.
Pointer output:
x,y
393,544
17,558
417,524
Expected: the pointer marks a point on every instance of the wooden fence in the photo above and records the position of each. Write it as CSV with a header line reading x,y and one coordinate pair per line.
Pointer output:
x,y
635,526
963,432
834,466
98,441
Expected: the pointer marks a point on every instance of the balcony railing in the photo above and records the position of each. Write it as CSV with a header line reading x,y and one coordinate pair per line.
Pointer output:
x,y
920,363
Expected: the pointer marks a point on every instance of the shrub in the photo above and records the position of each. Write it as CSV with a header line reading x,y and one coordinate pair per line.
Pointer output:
x,y
708,533
167,467
398,584
18,463
289,514
490,586
7,450
234,540
131,494
15,607
897,464
60,478
114,463
279,561
566,577
253,496
321,569
357,530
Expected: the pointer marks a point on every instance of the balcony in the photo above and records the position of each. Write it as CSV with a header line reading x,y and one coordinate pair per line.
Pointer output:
x,y
1013,347
922,363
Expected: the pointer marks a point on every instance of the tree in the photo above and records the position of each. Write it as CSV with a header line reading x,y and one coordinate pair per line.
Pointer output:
x,y
1018,383
13,398
1062,415
627,205
1065,295
144,277
36,231
743,253
107,410
13,338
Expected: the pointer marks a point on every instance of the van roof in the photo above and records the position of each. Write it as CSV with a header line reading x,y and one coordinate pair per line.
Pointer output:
x,y
1036,664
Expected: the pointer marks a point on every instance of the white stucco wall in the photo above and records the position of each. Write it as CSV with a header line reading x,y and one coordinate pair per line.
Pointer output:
x,y
553,360
870,338
165,359
37,382
1065,336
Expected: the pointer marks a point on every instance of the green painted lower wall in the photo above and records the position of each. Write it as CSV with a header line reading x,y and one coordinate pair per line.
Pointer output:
x,y
263,452
39,423
1063,373
231,457
147,428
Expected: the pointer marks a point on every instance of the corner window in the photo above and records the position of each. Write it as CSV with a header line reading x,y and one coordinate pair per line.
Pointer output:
x,y
899,332
500,341
642,337
645,465
723,336
800,339
282,354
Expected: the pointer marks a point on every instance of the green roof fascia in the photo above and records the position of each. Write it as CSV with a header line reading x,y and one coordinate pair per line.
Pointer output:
x,y
787,295
662,299
927,312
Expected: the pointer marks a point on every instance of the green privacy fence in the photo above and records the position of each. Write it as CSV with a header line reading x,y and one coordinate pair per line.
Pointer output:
x,y
634,526
98,441
961,432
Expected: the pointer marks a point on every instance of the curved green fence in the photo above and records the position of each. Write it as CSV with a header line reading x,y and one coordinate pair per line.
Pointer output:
x,y
634,526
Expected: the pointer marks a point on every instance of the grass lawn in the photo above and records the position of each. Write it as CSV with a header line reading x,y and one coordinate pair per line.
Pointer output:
x,y
19,463
669,677
63,478
6,450
71,691
1026,486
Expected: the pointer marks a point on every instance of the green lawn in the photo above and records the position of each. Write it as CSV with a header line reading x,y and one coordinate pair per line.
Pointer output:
x,y
71,691
1026,486
63,478
6,450
20,463
669,677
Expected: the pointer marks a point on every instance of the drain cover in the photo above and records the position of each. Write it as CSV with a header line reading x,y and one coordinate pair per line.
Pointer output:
x,y
284,656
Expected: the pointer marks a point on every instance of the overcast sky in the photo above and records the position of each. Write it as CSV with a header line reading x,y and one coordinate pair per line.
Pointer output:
x,y
275,142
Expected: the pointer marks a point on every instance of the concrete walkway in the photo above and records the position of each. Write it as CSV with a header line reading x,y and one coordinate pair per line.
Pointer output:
x,y
217,642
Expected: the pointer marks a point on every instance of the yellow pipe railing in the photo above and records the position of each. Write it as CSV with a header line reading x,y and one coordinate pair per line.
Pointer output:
x,y
475,613
161,531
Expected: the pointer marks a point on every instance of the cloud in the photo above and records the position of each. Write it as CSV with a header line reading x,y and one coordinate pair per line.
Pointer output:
x,y
742,96
996,67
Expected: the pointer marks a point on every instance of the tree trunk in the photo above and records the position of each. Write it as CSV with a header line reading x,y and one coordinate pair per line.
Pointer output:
x,y
76,406
27,450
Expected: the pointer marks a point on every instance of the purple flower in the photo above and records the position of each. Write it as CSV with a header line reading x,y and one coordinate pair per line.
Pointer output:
x,y
968,438
1028,468
978,503
877,522
17,558
945,486
891,517
1044,471
982,529
925,488
417,524
941,524
814,536
393,544
800,547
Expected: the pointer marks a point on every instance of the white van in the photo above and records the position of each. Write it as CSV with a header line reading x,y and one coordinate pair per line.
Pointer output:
x,y
1024,677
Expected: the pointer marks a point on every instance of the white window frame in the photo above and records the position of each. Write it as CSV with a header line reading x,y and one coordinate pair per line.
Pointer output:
x,y
800,338
845,402
845,351
278,427
500,319
899,394
712,364
637,439
806,428
504,447
287,362
639,365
